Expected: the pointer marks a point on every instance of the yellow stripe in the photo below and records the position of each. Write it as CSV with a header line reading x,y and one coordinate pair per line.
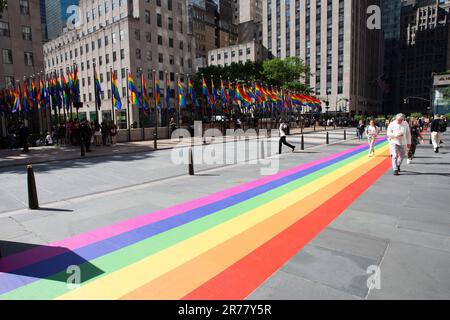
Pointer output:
x,y
120,282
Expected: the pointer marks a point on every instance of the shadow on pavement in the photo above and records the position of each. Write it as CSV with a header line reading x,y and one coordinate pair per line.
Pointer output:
x,y
413,173
52,262
79,162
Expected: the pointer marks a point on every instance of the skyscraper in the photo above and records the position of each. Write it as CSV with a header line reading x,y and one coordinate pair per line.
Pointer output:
x,y
333,38
57,15
425,50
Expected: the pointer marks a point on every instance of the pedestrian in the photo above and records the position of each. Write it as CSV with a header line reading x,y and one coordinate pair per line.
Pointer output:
x,y
372,132
416,138
49,139
24,132
438,127
360,130
172,125
443,128
283,131
86,135
399,136
105,132
97,134
113,133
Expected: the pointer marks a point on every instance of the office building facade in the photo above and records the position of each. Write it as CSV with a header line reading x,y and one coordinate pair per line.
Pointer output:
x,y
425,51
143,37
333,38
21,42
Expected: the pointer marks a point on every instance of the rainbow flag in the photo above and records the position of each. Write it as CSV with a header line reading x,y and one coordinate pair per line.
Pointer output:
x,y
27,103
181,98
207,94
117,103
133,93
43,95
191,92
17,105
98,90
260,92
145,97
157,94
205,248
224,93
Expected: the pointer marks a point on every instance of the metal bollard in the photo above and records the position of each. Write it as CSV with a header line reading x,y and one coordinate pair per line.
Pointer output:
x,y
328,138
263,153
33,202
191,162
345,135
303,143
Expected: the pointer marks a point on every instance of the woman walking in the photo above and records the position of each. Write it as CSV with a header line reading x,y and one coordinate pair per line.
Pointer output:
x,y
416,138
372,132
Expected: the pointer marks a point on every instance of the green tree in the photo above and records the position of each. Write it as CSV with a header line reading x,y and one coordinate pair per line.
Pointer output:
x,y
282,71
298,86
3,5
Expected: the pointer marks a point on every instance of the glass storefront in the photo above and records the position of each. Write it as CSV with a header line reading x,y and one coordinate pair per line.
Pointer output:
x,y
441,94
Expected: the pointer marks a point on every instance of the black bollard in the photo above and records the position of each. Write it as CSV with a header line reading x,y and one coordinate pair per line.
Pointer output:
x,y
33,202
191,162
303,143
314,126
345,135
83,148
328,138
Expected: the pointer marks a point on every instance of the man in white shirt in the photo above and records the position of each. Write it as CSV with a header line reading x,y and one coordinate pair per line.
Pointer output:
x,y
283,129
399,135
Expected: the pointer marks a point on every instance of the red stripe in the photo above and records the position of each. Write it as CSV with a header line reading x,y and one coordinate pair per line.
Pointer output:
x,y
242,278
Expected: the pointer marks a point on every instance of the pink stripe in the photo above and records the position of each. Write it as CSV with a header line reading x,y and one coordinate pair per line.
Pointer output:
x,y
31,256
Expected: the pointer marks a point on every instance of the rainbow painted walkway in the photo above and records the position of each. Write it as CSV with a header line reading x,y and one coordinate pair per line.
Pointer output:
x,y
222,246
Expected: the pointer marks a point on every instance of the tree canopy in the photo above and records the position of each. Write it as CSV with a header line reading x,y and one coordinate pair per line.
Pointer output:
x,y
3,5
286,73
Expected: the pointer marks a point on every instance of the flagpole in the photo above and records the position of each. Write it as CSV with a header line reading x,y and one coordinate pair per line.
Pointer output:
x,y
112,95
128,108
155,133
96,94
178,98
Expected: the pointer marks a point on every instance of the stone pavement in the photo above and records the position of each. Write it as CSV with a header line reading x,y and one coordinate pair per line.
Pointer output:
x,y
58,153
401,224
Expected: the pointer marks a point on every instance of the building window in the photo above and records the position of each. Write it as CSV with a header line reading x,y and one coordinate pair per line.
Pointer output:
x,y
158,20
28,59
4,29
138,53
24,7
7,56
147,17
26,33
122,54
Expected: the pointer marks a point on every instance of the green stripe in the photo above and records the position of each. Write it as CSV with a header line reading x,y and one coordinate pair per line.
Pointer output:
x,y
55,285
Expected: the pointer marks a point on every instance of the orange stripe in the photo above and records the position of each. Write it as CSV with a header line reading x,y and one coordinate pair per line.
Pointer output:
x,y
242,278
184,279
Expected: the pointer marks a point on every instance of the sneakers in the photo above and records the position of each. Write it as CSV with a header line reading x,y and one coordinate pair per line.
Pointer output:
x,y
409,161
370,154
396,173
436,150
293,149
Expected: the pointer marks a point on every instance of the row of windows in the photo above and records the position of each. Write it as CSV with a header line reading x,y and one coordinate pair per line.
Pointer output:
x,y
7,57
233,54
67,56
4,31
